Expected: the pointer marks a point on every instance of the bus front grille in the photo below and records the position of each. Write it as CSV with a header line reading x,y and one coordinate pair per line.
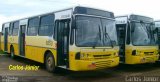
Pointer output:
x,y
103,64
101,56
149,59
148,53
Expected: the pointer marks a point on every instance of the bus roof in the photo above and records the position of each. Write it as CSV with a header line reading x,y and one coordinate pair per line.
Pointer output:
x,y
134,17
69,8
157,21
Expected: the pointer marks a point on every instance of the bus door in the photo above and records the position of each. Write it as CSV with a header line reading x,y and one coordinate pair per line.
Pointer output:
x,y
22,40
63,42
121,34
5,39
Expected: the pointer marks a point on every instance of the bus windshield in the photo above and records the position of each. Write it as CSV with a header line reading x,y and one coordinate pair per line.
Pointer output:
x,y
94,31
142,34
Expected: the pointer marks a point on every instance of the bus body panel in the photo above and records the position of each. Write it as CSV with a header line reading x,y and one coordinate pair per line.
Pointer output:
x,y
9,43
2,43
98,58
84,65
36,46
15,45
144,54
38,56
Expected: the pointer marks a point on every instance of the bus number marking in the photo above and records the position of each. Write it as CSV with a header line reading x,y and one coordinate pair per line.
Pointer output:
x,y
65,16
49,42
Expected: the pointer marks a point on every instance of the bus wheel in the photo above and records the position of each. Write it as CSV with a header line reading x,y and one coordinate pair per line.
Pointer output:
x,y
50,63
12,53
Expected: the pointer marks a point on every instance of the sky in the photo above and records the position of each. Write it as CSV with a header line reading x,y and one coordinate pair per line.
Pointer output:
x,y
16,9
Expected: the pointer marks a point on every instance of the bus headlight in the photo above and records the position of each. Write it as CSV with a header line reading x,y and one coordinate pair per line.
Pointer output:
x,y
135,52
82,55
77,56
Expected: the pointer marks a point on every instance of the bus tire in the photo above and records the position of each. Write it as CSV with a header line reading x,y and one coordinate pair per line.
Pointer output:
x,y
50,62
12,53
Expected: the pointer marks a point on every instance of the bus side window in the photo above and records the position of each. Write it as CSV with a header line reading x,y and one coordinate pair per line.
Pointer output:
x,y
15,28
33,25
10,28
46,25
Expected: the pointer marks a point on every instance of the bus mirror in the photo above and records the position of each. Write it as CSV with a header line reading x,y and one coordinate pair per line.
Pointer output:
x,y
73,24
152,23
65,31
132,29
72,37
155,31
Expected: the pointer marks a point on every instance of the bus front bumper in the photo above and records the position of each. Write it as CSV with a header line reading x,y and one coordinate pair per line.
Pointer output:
x,y
86,65
143,59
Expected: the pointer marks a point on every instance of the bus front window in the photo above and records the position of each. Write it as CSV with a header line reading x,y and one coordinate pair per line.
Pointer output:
x,y
109,28
90,31
142,34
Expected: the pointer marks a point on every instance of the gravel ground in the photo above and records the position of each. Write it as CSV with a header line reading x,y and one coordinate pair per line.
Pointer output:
x,y
122,73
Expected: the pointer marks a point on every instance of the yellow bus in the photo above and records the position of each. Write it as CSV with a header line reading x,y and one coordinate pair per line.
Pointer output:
x,y
157,31
77,38
136,39
4,37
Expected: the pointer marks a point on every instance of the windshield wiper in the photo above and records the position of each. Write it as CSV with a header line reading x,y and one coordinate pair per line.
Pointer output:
x,y
107,35
147,31
98,35
99,32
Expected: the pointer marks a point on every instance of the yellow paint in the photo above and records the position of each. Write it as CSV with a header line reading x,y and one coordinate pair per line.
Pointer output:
x,y
100,62
141,57
2,46
36,46
37,53
2,42
9,43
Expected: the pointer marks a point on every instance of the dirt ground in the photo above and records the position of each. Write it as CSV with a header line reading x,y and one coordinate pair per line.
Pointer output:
x,y
121,73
